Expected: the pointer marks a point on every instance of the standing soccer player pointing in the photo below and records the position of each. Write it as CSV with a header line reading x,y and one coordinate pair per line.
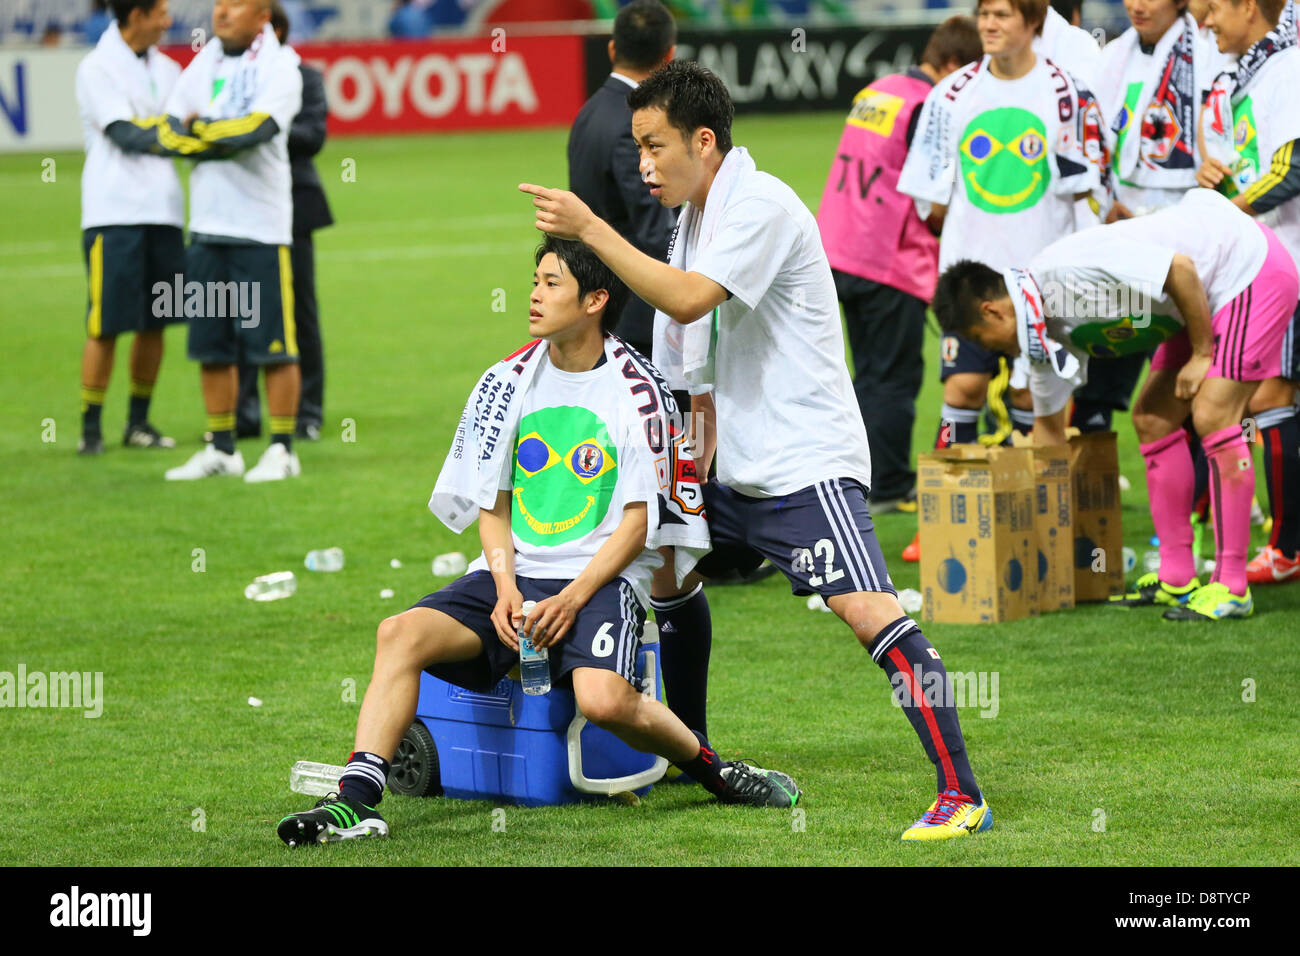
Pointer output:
x,y
793,460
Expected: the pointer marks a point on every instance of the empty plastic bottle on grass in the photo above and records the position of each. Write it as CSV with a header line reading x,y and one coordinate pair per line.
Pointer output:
x,y
910,600
449,565
534,664
314,779
272,587
1151,561
1130,559
331,559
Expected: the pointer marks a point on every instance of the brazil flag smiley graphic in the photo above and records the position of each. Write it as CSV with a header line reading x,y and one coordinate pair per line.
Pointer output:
x,y
566,467
1004,160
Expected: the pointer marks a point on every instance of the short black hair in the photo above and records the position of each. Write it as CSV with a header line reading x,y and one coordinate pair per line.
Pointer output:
x,y
1066,8
691,96
644,32
280,21
122,9
961,289
592,275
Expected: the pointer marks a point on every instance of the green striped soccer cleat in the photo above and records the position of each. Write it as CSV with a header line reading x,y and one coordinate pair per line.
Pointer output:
x,y
334,818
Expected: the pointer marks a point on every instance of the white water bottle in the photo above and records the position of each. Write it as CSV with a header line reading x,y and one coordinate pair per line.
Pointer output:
x,y
331,559
314,779
272,587
534,664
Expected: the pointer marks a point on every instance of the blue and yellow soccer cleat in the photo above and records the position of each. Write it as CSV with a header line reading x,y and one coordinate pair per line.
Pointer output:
x,y
952,815
1214,602
1149,590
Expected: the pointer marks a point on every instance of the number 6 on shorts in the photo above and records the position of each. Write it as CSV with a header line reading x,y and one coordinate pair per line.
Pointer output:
x,y
602,645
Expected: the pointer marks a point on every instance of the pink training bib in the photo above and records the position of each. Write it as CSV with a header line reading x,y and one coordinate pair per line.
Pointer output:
x,y
868,227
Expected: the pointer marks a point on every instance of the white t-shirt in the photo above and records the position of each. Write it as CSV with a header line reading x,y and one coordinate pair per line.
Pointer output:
x,y
787,414
1266,118
249,195
118,188
1103,288
1018,152
578,461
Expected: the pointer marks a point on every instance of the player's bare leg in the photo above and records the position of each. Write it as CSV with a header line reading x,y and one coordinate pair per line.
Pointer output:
x,y
643,723
404,646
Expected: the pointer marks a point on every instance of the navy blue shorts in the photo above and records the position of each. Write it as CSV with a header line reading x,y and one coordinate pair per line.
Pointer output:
x,y
247,314
606,633
123,265
821,537
959,354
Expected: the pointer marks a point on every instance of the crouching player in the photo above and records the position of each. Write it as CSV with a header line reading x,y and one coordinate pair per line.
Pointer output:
x,y
1215,291
564,455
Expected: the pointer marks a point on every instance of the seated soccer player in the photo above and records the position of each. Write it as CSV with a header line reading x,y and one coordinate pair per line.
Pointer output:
x,y
1215,291
556,457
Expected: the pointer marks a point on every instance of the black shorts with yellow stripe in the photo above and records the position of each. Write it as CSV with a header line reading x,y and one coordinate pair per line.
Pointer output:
x,y
238,300
126,266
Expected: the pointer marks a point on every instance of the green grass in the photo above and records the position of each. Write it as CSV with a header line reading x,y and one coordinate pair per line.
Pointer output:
x,y
1099,710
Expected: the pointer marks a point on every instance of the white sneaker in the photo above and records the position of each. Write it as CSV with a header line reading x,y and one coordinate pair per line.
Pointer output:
x,y
206,464
276,463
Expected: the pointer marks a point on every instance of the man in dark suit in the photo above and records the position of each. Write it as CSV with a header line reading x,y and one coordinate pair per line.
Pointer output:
x,y
310,212
603,159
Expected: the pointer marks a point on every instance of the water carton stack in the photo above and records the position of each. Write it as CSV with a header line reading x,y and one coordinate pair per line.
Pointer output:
x,y
979,550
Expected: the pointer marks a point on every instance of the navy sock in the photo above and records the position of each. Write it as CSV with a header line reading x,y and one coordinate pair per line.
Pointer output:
x,y
1280,433
364,778
706,767
92,406
922,686
685,640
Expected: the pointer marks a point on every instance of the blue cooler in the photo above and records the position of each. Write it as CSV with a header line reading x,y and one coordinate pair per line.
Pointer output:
x,y
531,750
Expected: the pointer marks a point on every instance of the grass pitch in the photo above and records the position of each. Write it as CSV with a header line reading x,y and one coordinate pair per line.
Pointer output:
x,y
1118,738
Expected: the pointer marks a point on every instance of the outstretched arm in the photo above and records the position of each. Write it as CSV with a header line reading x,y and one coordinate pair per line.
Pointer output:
x,y
684,296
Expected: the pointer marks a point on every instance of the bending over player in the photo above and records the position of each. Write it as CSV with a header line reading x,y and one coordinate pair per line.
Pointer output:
x,y
556,457
1215,291
793,462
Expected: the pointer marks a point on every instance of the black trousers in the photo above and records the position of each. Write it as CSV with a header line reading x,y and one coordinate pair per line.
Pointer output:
x,y
887,337
311,354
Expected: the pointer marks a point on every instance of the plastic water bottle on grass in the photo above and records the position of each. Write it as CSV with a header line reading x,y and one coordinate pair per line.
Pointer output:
x,y
272,587
331,559
314,779
534,664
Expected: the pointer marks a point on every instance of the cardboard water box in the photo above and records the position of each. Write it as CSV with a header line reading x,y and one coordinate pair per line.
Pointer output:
x,y
1098,533
979,552
1053,523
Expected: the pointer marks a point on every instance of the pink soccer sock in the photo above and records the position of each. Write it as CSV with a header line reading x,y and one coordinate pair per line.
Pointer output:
x,y
1171,483
1232,485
